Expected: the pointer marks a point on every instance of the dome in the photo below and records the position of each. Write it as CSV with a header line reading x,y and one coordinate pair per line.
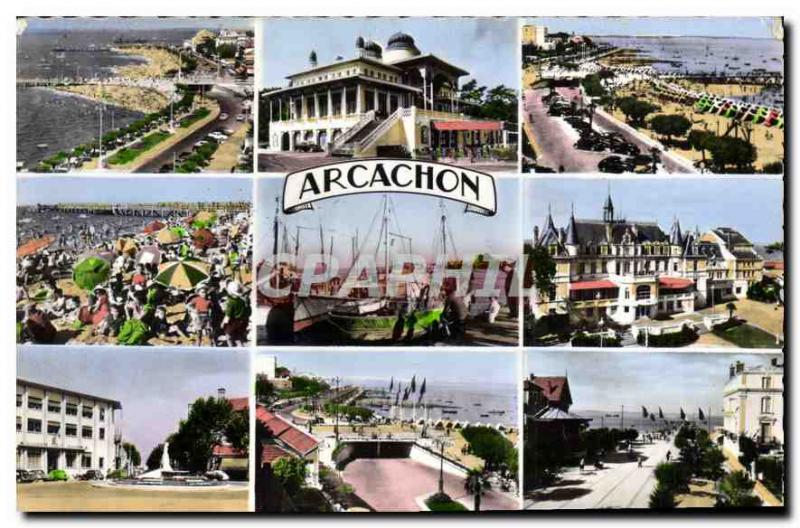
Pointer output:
x,y
400,41
400,46
373,49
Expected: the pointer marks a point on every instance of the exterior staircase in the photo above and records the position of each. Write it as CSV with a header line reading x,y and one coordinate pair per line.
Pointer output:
x,y
627,339
344,145
364,134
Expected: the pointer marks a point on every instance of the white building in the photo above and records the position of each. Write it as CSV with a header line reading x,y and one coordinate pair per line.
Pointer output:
x,y
61,429
753,403
385,101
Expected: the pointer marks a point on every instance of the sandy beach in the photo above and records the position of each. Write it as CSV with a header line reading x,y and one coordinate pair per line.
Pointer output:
x,y
83,497
160,63
145,100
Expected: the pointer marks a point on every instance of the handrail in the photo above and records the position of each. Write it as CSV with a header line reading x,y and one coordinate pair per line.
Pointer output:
x,y
367,140
350,132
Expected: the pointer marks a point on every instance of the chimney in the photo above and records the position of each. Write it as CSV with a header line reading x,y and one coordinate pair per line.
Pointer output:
x,y
739,367
221,393
731,371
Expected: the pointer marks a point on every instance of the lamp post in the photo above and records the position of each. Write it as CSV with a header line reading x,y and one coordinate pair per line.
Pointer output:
x,y
336,381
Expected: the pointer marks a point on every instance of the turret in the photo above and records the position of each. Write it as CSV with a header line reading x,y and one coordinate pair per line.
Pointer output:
x,y
608,210
312,59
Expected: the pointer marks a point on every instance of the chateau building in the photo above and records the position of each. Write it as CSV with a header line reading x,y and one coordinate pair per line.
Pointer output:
x,y
753,402
62,429
621,270
388,101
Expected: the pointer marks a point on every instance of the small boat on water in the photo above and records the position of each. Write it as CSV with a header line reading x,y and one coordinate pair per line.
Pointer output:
x,y
42,145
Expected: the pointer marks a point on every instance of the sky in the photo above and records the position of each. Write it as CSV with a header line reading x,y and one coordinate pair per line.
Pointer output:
x,y
154,385
418,217
487,48
139,23
750,27
124,189
752,206
440,366
603,381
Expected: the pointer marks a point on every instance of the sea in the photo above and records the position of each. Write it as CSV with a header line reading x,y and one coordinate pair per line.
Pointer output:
x,y
633,419
469,402
33,224
730,56
49,121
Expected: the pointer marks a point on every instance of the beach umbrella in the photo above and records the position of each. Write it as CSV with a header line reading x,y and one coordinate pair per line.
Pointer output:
x,y
183,274
149,255
154,226
33,246
126,246
203,219
168,236
90,272
203,239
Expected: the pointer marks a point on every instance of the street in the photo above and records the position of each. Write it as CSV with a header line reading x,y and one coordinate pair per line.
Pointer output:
x,y
620,484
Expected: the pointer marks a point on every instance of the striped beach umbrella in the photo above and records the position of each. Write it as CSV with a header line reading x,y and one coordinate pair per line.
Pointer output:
x,y
34,246
183,274
168,236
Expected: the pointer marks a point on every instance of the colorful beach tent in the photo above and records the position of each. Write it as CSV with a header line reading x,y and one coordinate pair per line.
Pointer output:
x,y
203,239
183,274
154,226
32,246
168,236
149,255
126,246
90,272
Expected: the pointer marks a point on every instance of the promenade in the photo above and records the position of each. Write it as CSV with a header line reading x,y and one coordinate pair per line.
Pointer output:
x,y
620,484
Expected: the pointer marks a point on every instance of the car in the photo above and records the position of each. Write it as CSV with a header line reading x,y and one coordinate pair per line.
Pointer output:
x,y
613,165
223,116
24,476
92,474
628,149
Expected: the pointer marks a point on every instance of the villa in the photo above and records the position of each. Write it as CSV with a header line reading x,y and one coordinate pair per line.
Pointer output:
x,y
67,430
392,101
287,440
547,403
224,456
753,404
623,271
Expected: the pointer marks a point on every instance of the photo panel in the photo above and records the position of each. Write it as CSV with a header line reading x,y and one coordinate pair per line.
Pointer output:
x,y
134,261
614,430
670,263
135,94
102,429
653,95
386,431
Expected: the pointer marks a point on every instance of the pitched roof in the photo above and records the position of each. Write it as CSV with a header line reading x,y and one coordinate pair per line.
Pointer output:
x,y
731,236
554,388
294,438
272,452
594,231
240,404
228,451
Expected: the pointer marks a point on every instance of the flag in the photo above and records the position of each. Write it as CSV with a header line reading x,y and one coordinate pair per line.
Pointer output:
x,y
406,393
645,414
391,384
660,413
652,417
414,383
700,415
683,414
397,396
422,389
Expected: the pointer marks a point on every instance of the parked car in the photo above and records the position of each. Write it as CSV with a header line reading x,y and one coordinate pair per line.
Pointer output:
x,y
24,476
612,164
92,474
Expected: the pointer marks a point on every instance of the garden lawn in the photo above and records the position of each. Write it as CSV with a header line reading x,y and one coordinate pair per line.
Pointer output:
x,y
747,336
445,506
127,155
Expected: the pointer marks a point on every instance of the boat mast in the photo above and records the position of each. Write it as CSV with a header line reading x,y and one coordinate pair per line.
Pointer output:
x,y
385,227
275,231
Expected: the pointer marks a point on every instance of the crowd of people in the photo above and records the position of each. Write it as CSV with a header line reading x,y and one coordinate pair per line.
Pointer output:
x,y
181,280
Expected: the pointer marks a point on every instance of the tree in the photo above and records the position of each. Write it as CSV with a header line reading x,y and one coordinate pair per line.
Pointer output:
x,y
475,483
670,125
636,110
472,93
265,390
736,491
500,103
662,498
726,151
291,472
132,453
541,270
699,140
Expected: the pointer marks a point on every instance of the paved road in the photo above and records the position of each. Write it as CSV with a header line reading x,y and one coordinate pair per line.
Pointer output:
x,y
293,161
555,137
618,485
394,484
229,104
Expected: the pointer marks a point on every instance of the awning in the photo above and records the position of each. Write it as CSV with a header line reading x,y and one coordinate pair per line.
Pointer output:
x,y
592,285
467,125
674,283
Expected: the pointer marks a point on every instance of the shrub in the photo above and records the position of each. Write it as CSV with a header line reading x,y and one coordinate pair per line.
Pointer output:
x,y
686,336
662,498
673,476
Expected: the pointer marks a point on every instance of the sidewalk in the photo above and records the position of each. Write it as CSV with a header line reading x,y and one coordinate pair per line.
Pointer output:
x,y
618,485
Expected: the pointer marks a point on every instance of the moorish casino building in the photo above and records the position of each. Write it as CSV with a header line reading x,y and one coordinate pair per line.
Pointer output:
x,y
626,270
391,102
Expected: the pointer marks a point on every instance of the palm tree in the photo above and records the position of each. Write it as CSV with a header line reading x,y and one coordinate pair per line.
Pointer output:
x,y
731,308
475,483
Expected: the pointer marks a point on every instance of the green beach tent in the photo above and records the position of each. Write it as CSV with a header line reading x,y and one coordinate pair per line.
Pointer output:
x,y
90,272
